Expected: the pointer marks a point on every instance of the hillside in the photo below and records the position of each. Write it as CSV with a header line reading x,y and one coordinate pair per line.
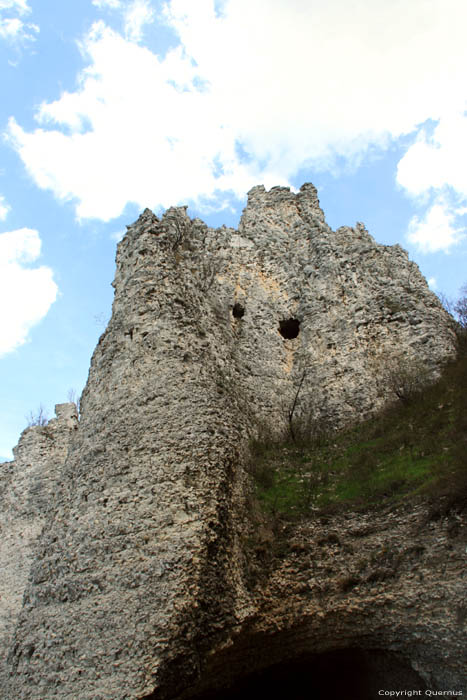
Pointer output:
x,y
416,449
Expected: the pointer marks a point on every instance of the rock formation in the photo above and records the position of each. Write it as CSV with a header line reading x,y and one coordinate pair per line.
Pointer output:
x,y
28,488
132,537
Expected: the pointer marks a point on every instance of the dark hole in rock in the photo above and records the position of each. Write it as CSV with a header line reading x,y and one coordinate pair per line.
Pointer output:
x,y
290,328
350,674
238,311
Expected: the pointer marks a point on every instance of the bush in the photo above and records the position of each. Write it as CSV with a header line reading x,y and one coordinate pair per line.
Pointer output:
x,y
405,377
458,312
415,449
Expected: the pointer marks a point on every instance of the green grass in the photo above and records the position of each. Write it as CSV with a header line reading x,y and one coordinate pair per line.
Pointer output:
x,y
416,449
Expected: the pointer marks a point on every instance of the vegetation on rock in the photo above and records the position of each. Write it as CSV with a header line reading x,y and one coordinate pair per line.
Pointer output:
x,y
415,448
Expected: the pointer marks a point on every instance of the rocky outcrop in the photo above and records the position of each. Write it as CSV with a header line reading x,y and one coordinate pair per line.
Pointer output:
x,y
28,488
380,592
145,576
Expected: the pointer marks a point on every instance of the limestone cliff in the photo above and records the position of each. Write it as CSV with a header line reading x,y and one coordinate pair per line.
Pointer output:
x,y
137,552
28,488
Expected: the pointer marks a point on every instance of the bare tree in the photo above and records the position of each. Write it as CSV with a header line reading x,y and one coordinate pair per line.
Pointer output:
x,y
73,397
460,308
404,377
447,303
293,407
458,315
38,417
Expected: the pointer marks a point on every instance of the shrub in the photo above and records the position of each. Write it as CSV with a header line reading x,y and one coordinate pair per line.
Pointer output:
x,y
404,377
415,449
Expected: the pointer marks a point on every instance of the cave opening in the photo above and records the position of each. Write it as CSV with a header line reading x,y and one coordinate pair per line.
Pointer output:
x,y
343,674
238,311
289,328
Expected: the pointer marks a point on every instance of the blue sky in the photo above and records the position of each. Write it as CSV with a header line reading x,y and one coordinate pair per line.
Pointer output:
x,y
109,106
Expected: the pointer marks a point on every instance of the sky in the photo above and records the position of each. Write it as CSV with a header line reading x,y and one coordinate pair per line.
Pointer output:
x,y
111,106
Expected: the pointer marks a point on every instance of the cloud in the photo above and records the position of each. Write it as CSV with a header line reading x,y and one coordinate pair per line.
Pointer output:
x,y
437,230
111,4
20,6
30,291
437,161
14,29
4,208
255,91
433,170
136,15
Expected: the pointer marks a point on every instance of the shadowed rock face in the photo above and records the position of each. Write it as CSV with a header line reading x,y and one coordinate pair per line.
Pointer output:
x,y
353,674
144,579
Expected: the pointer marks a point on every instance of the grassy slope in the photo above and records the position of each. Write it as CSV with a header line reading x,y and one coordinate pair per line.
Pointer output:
x,y
415,449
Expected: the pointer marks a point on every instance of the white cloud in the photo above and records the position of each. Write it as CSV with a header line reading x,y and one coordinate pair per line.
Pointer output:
x,y
29,291
432,283
137,15
436,161
433,168
14,29
437,230
4,208
111,4
288,83
20,6
10,28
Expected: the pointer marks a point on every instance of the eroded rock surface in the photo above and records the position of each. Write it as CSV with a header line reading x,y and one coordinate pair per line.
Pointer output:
x,y
28,487
144,578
